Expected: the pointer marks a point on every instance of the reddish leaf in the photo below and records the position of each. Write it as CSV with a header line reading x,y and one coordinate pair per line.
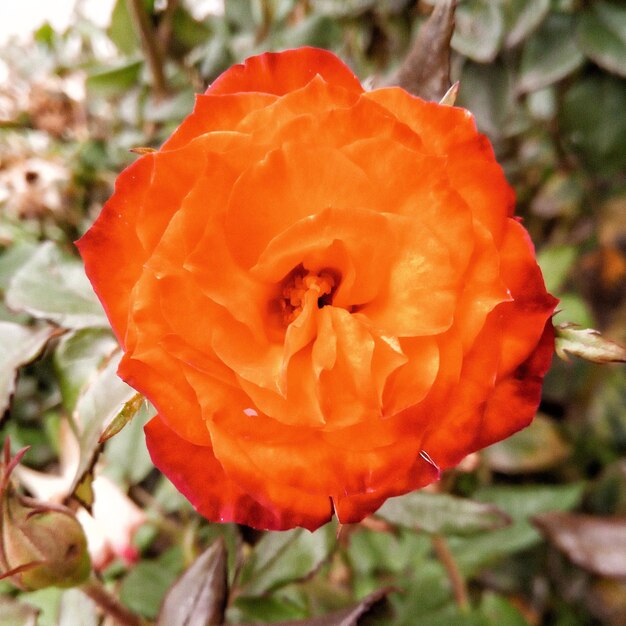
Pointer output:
x,y
597,544
198,597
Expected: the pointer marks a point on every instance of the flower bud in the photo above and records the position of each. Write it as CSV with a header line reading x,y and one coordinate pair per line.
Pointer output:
x,y
41,545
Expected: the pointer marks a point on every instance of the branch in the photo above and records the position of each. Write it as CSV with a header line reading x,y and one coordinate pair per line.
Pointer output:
x,y
149,44
109,604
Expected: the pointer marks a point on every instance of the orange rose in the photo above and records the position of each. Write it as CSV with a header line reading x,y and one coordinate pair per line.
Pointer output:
x,y
323,291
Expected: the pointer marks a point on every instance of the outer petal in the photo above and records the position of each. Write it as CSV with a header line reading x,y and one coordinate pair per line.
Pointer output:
x,y
197,474
499,386
281,72
451,132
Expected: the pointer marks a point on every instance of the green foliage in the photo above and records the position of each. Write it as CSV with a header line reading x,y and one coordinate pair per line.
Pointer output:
x,y
545,81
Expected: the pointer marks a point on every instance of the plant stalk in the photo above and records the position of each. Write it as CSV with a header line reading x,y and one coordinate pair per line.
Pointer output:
x,y
445,556
109,604
149,44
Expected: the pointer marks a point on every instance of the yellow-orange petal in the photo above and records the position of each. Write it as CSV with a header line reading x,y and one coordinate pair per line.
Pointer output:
x,y
451,132
278,191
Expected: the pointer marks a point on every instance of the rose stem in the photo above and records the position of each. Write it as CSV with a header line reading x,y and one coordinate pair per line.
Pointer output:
x,y
149,44
459,588
109,604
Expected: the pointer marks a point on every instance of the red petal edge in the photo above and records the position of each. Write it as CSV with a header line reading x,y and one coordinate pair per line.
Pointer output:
x,y
199,476
279,73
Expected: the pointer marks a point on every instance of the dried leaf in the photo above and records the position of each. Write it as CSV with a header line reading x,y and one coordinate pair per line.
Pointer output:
x,y
426,70
597,544
587,344
142,150
345,617
13,613
450,96
198,597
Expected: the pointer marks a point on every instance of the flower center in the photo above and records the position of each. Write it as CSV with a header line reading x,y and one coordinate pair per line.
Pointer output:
x,y
298,283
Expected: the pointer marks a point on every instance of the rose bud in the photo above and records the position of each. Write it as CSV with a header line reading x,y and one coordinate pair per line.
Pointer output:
x,y
324,292
41,545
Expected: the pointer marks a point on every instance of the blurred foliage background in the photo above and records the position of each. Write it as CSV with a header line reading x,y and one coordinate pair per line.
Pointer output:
x,y
533,527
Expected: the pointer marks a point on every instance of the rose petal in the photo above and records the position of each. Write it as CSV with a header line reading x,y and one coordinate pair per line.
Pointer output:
x,y
197,474
450,131
278,191
216,112
281,72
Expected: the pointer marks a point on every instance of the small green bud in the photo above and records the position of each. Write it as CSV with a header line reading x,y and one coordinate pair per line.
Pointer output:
x,y
41,545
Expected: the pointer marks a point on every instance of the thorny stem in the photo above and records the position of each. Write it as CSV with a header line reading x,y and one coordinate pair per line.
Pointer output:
x,y
110,605
459,588
149,44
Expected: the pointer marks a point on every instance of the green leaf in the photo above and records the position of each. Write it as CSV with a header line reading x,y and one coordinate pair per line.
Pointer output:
x,y
556,263
550,55
265,609
343,8
350,616
282,558
371,552
537,448
52,285
316,30
601,37
500,612
47,601
593,122
198,597
479,30
78,358
11,260
18,345
522,18
486,91
147,583
100,402
442,513
520,503
115,80
189,31
121,30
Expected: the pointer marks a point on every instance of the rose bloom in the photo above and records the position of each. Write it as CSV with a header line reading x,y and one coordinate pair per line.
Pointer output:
x,y
323,291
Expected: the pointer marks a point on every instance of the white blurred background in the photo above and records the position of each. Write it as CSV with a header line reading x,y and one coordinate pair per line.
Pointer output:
x,y
19,18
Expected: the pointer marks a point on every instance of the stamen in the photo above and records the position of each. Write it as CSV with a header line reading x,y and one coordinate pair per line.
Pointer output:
x,y
298,283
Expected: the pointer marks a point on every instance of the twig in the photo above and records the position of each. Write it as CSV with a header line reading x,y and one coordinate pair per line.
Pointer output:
x,y
149,44
109,604
459,588
166,25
